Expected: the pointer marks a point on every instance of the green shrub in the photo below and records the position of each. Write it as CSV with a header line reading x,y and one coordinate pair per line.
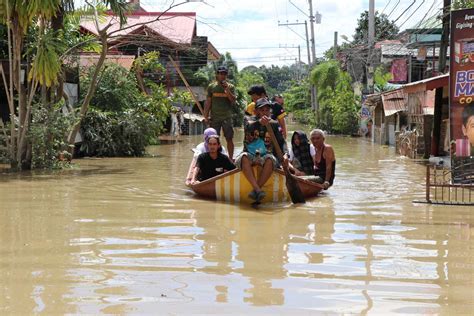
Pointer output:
x,y
47,135
121,134
117,89
122,120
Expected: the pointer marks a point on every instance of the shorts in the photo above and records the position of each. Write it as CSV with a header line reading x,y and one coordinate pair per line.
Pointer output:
x,y
254,160
226,126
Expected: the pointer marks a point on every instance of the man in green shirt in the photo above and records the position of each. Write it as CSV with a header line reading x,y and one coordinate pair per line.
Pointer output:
x,y
219,102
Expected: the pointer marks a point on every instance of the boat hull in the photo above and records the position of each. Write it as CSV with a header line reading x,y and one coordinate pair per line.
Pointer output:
x,y
233,187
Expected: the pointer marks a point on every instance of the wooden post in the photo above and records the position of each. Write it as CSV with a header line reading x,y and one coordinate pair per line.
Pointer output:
x,y
186,84
438,107
428,183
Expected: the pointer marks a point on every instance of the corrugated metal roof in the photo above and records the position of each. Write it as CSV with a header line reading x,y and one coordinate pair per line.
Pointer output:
x,y
394,101
397,50
427,84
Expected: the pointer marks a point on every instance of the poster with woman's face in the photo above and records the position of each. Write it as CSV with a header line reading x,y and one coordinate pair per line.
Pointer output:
x,y
461,91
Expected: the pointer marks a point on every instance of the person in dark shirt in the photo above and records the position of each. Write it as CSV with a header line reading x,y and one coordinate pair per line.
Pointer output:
x,y
278,112
301,155
211,163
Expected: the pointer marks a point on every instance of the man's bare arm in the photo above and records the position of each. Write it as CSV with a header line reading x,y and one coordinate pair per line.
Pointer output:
x,y
282,123
207,108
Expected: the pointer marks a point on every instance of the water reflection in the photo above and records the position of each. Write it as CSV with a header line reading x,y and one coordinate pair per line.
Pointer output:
x,y
123,235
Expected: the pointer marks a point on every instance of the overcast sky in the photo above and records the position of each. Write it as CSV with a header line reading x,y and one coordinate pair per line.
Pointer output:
x,y
249,29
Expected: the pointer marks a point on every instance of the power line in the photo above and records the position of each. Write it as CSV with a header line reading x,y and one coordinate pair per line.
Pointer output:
x,y
386,6
396,4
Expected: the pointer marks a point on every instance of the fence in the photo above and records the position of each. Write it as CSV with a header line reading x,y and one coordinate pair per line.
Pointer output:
x,y
440,188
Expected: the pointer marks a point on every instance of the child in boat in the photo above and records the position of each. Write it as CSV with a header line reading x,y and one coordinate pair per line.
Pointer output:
x,y
211,163
255,150
199,149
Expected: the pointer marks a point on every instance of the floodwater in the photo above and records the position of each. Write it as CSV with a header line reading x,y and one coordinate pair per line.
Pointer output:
x,y
125,236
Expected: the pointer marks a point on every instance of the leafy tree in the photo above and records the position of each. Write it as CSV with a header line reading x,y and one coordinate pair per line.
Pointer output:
x,y
277,79
134,122
298,97
381,78
329,54
247,78
116,91
344,106
384,28
462,4
338,107
298,102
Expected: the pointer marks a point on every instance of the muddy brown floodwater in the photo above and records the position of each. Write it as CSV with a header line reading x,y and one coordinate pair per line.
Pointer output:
x,y
125,236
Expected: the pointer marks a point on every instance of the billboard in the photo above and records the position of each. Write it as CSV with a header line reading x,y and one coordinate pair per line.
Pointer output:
x,y
461,95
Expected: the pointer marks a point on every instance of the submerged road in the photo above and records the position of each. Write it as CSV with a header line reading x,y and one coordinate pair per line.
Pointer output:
x,y
125,236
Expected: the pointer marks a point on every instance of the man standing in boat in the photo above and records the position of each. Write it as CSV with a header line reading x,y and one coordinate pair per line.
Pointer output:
x,y
219,102
255,151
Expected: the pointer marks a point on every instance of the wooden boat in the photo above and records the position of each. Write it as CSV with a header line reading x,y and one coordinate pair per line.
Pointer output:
x,y
233,187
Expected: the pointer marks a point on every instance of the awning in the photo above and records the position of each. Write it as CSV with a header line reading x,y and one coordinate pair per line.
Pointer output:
x,y
373,99
427,84
394,101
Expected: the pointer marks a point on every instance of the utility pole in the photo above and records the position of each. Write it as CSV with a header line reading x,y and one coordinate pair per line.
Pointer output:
x,y
314,92
311,21
335,45
307,39
299,63
371,37
438,108
307,43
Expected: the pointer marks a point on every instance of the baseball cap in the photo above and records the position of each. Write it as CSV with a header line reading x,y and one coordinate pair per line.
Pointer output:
x,y
262,102
222,69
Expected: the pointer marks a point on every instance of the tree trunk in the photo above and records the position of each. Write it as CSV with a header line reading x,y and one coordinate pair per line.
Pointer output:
x,y
90,92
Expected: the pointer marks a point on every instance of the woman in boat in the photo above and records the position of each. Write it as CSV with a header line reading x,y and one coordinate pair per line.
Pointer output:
x,y
211,163
325,159
301,155
199,149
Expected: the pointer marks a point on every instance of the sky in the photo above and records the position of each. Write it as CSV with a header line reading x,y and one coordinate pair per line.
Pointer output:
x,y
250,30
